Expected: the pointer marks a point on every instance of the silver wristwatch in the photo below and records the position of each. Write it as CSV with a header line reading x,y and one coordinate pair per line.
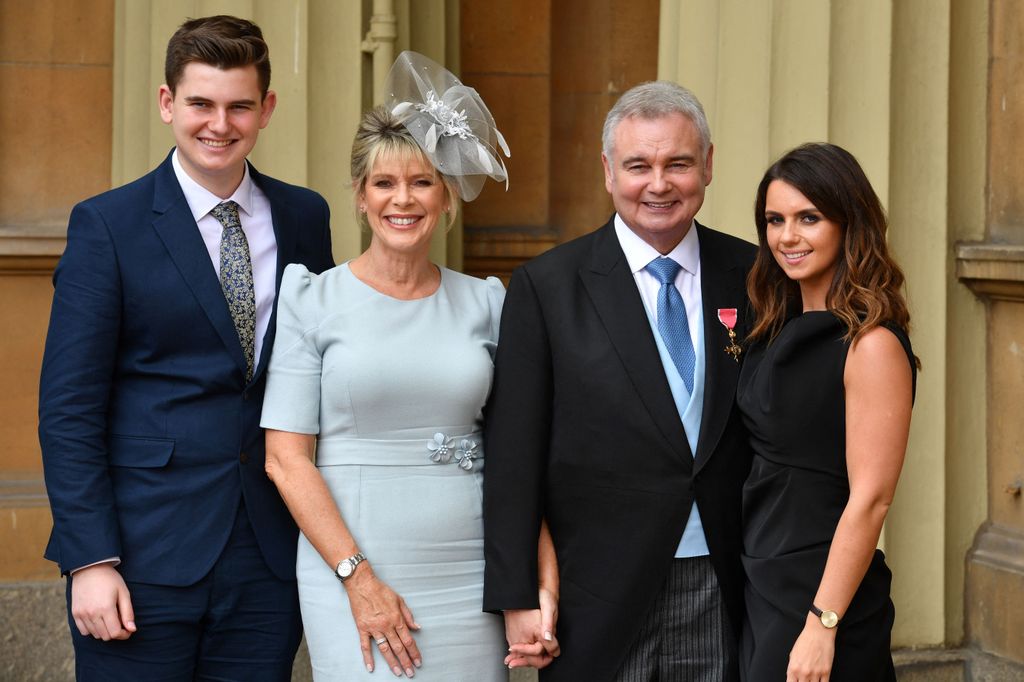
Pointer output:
x,y
346,567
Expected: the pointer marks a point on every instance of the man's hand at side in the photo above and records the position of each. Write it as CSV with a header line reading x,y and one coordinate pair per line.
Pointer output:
x,y
100,603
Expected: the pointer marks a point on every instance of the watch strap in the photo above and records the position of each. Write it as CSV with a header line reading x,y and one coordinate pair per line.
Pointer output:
x,y
354,561
829,618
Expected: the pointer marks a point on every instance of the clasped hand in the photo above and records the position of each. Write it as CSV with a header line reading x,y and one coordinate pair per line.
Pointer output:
x,y
531,634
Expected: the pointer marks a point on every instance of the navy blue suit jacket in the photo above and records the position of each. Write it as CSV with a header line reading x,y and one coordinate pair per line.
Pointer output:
x,y
149,431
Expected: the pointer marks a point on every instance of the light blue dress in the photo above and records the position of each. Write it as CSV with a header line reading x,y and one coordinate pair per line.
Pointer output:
x,y
394,389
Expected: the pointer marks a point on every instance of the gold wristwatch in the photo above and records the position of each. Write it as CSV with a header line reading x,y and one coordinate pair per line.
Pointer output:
x,y
828,618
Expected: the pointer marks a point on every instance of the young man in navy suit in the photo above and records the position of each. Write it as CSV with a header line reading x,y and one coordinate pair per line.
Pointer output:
x,y
179,551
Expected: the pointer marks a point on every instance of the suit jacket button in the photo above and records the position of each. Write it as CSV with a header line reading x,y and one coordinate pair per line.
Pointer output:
x,y
243,458
245,395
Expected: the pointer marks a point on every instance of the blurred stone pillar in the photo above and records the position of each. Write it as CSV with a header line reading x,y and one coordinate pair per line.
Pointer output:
x,y
994,271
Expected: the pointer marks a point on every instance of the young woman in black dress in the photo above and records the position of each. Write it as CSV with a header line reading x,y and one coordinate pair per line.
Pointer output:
x,y
826,392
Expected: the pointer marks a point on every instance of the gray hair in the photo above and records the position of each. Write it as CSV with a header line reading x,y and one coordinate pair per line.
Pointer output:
x,y
654,100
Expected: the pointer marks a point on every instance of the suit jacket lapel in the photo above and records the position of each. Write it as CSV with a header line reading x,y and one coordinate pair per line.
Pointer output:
x,y
285,233
722,286
177,229
613,291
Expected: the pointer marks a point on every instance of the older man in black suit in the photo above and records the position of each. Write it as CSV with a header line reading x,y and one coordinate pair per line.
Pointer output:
x,y
612,417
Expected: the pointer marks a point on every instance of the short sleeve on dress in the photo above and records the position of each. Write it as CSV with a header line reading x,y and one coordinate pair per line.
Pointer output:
x,y
495,299
904,340
292,401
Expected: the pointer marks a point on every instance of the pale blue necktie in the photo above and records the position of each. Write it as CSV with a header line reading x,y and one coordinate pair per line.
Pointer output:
x,y
236,279
672,322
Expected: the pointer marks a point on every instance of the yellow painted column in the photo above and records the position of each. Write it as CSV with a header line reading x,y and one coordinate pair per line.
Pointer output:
x,y
859,91
798,97
286,28
920,240
336,98
740,115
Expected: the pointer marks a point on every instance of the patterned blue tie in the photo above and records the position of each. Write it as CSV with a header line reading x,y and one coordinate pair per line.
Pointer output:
x,y
236,279
672,322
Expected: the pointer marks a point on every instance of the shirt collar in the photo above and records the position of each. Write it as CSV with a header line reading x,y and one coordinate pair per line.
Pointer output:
x,y
201,200
639,253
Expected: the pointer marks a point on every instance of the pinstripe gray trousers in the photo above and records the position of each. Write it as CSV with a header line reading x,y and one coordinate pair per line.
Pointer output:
x,y
686,636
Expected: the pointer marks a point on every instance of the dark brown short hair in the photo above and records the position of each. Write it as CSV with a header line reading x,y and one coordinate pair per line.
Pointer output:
x,y
866,289
222,41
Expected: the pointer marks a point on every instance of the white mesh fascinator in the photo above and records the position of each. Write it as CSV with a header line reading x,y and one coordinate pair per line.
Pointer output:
x,y
448,120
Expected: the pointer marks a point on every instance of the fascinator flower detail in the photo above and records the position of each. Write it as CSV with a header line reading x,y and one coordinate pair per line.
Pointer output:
x,y
449,121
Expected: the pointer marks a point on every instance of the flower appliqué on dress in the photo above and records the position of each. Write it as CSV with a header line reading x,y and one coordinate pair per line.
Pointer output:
x,y
442,450
466,453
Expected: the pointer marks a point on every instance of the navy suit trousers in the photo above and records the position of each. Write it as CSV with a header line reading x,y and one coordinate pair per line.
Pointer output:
x,y
239,622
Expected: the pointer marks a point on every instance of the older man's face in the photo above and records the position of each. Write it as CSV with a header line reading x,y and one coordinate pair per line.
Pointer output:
x,y
656,176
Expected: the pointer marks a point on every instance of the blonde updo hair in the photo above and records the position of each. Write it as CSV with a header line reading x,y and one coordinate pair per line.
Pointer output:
x,y
381,133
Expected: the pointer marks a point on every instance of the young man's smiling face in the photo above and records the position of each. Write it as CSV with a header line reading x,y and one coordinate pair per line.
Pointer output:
x,y
216,115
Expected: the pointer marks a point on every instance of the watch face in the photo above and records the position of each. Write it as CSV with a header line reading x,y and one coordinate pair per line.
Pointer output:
x,y
829,619
345,569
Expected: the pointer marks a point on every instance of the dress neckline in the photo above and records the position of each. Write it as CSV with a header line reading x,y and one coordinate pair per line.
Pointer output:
x,y
378,292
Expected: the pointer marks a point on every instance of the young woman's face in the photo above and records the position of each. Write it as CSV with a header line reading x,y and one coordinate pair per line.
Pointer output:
x,y
805,243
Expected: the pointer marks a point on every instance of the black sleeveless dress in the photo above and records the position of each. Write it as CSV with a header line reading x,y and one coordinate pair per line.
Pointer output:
x,y
792,398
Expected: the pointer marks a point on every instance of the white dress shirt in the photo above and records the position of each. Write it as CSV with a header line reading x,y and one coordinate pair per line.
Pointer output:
x,y
690,407
258,226
687,253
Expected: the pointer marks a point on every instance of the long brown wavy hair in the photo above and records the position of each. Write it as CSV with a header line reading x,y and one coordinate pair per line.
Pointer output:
x,y
866,289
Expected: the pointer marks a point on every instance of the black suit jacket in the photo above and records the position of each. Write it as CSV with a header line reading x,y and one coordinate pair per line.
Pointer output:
x,y
581,429
149,430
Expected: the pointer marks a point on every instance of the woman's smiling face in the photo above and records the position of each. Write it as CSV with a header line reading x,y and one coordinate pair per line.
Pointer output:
x,y
805,243
403,199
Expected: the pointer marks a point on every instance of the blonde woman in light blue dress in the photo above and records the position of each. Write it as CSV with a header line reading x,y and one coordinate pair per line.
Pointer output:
x,y
379,373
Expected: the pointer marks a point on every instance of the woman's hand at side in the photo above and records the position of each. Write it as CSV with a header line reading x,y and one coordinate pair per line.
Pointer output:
x,y
381,614
374,605
878,386
810,660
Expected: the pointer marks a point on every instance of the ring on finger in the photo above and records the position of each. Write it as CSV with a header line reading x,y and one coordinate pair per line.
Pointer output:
x,y
382,641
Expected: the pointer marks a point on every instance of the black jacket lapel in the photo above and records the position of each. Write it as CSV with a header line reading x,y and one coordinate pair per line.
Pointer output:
x,y
613,291
722,286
